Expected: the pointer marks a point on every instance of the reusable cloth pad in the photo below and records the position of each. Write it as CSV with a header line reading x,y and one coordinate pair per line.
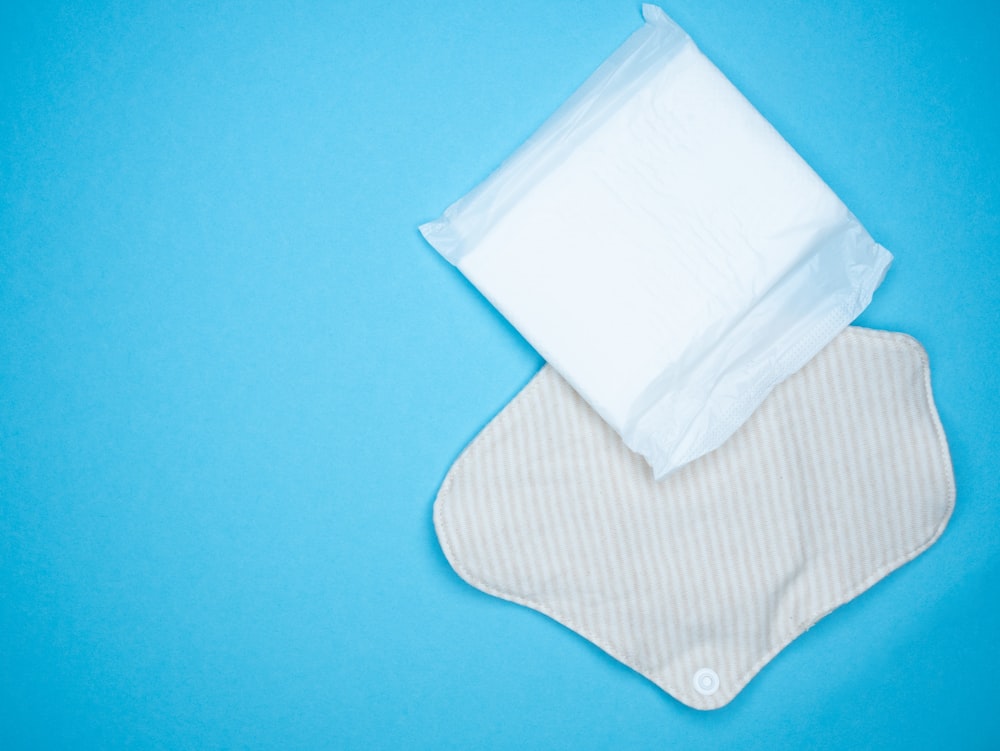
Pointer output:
x,y
664,248
841,476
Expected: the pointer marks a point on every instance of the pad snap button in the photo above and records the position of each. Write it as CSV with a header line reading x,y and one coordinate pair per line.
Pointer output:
x,y
706,681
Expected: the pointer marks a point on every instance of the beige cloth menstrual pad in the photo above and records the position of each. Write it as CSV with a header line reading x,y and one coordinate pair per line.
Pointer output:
x,y
696,582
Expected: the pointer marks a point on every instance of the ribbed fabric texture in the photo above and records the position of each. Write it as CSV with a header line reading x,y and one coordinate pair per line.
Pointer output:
x,y
841,476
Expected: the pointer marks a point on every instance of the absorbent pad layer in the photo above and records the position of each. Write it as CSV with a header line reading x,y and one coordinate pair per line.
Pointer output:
x,y
664,248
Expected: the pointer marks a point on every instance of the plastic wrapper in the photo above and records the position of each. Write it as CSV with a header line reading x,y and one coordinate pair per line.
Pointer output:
x,y
664,248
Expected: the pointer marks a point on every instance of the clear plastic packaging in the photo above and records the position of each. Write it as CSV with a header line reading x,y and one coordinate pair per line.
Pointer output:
x,y
664,248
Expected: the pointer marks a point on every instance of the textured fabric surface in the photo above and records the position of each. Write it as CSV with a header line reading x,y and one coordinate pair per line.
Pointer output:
x,y
841,476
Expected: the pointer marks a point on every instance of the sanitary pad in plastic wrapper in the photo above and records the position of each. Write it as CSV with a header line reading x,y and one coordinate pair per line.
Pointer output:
x,y
664,248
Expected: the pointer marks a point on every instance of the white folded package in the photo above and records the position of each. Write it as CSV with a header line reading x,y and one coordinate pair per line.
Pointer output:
x,y
664,248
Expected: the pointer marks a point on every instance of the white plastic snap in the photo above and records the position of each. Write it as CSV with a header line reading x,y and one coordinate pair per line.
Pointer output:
x,y
706,681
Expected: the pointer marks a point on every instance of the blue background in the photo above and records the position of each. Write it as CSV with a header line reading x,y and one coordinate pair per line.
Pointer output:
x,y
232,375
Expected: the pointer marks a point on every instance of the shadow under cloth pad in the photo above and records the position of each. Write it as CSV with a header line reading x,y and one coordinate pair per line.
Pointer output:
x,y
841,476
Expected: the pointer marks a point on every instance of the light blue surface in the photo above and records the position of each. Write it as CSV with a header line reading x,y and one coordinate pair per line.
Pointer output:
x,y
232,375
